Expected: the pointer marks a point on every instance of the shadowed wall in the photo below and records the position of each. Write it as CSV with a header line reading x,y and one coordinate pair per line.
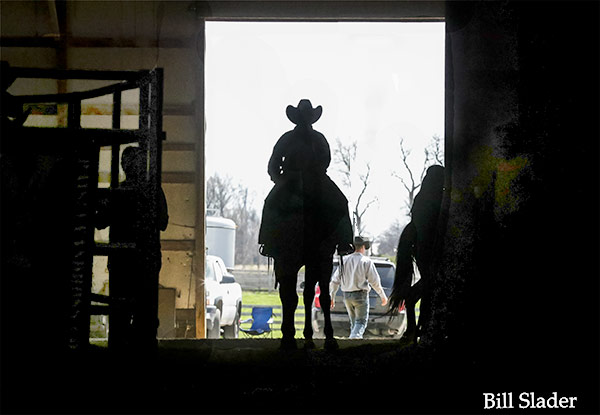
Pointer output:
x,y
517,284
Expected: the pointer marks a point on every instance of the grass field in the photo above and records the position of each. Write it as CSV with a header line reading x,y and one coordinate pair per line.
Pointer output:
x,y
264,298
270,298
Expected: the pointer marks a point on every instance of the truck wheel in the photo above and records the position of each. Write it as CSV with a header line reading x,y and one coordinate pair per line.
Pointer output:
x,y
233,331
215,331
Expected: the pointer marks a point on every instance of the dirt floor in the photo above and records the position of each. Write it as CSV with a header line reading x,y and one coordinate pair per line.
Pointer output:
x,y
235,376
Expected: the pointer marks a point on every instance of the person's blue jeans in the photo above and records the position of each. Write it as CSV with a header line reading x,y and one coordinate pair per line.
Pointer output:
x,y
357,305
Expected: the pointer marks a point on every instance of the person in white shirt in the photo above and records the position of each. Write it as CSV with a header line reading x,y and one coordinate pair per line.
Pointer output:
x,y
356,278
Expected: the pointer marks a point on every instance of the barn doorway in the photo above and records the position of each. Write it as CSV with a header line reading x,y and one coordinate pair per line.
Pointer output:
x,y
381,86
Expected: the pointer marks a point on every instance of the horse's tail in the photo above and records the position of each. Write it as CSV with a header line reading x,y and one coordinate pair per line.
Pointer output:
x,y
404,267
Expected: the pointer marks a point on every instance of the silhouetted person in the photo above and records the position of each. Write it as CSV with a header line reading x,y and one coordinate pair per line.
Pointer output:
x,y
133,270
37,192
305,217
417,243
356,279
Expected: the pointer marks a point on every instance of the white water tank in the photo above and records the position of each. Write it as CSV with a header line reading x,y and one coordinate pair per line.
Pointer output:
x,y
220,239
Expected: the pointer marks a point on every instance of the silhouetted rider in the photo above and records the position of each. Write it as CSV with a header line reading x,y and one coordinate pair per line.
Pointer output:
x,y
305,217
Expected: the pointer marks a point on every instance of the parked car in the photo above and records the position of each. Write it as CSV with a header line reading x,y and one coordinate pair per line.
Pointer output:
x,y
379,324
225,295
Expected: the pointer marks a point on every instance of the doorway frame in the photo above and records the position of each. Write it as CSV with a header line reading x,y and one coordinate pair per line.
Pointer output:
x,y
279,11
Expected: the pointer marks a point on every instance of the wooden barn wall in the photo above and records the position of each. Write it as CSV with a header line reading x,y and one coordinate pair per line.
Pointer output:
x,y
124,36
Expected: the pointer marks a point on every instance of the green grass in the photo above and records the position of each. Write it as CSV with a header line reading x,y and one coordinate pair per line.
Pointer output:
x,y
264,298
270,298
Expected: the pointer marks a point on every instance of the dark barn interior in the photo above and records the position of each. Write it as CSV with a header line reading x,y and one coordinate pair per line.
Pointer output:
x,y
515,304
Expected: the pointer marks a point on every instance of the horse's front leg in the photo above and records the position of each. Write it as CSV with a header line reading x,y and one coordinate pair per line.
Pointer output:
x,y
289,301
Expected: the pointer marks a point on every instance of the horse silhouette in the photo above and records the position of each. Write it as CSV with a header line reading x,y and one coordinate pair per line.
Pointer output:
x,y
305,217
416,245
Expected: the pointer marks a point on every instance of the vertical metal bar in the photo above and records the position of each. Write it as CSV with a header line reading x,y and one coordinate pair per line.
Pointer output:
x,y
116,124
74,115
85,162
158,123
155,166
153,136
144,108
199,254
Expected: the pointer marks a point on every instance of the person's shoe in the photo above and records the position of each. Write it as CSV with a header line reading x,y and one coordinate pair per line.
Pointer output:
x,y
331,344
288,344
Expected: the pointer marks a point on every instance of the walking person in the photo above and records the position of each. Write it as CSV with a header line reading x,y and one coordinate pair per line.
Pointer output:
x,y
356,277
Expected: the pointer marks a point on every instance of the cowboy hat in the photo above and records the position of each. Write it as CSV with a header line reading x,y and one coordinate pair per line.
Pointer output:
x,y
304,113
360,241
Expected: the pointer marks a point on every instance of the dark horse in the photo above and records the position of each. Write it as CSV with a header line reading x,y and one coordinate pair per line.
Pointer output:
x,y
305,217
417,244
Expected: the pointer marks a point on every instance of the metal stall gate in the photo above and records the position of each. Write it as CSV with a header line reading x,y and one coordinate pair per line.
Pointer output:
x,y
79,202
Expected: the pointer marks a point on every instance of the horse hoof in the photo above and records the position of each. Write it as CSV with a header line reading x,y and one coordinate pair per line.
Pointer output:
x,y
288,344
407,340
309,344
331,345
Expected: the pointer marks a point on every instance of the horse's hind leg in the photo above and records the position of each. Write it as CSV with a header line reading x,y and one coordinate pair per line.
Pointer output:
x,y
411,317
411,320
287,277
425,313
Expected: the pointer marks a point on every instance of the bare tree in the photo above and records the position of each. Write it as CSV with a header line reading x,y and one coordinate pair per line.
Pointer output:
x,y
219,193
248,225
233,202
345,156
411,185
433,155
387,242
359,211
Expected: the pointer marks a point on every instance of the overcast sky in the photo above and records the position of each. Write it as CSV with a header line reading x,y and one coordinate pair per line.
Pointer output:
x,y
376,82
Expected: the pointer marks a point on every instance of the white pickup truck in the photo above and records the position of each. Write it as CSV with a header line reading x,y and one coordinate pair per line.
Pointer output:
x,y
223,293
